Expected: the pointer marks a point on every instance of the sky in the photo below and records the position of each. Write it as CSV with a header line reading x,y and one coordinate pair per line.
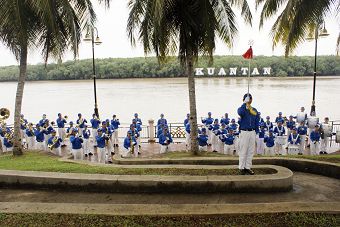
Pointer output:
x,y
111,24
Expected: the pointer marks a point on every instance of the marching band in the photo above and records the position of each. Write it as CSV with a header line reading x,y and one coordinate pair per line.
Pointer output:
x,y
285,136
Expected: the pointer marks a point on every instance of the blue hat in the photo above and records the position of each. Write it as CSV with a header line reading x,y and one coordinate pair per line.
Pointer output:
x,y
103,122
136,114
270,130
267,117
280,113
245,95
99,130
79,114
71,122
209,113
204,130
294,128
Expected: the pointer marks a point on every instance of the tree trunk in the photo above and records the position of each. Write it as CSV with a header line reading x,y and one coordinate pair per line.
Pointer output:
x,y
17,143
192,104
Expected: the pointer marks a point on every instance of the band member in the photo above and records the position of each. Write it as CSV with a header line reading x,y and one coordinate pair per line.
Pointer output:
x,y
207,122
165,140
39,133
249,126
102,141
186,120
95,123
268,124
220,137
23,126
81,123
187,136
61,127
70,128
8,144
260,140
77,147
135,134
30,136
279,118
48,131
302,131
86,144
233,125
108,132
130,146
270,143
225,119
43,120
294,142
138,120
301,116
315,141
162,121
203,140
280,138
54,143
214,138
138,127
312,121
261,119
115,125
290,125
3,131
326,134
229,143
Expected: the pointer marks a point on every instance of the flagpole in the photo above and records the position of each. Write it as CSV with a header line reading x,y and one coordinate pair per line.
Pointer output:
x,y
248,74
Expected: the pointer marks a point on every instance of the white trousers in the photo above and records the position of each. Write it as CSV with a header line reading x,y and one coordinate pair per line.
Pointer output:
x,y
126,153
31,142
210,135
80,131
228,149
101,154
269,151
279,149
220,146
62,135
23,136
237,145
164,149
293,149
203,148
57,151
77,154
46,138
187,140
2,143
325,144
247,148
260,146
86,146
214,142
314,148
94,135
302,144
115,137
40,145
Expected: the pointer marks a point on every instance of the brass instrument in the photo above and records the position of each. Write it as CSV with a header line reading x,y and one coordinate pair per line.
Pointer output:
x,y
251,110
54,142
4,115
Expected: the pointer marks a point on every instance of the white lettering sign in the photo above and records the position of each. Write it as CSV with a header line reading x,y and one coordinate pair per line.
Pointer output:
x,y
233,71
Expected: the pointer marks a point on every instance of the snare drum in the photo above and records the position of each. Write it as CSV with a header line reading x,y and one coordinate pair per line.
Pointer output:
x,y
281,140
293,149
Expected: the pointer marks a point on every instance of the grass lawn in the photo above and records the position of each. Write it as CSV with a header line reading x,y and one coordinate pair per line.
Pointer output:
x,y
334,158
37,161
284,219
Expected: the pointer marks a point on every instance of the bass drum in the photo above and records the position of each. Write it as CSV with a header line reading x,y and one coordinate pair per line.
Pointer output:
x,y
312,121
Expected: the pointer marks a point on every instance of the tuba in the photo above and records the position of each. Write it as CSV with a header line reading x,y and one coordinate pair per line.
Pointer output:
x,y
4,114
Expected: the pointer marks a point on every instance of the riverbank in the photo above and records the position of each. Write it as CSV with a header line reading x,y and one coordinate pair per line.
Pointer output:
x,y
120,68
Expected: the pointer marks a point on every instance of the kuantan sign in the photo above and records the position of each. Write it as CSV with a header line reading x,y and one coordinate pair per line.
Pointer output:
x,y
232,71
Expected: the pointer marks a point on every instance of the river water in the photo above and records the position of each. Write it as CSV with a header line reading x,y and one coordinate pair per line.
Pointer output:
x,y
150,97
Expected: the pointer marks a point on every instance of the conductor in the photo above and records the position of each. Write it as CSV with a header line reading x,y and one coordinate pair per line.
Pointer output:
x,y
249,127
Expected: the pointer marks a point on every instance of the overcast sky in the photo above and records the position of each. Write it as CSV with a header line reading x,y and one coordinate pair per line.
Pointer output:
x,y
112,31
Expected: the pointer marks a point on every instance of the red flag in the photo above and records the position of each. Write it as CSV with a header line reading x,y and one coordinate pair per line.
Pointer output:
x,y
248,54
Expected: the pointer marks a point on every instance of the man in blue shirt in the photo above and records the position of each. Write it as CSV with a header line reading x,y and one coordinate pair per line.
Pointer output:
x,y
54,143
81,123
115,125
203,140
315,141
77,147
165,140
61,127
249,127
302,131
270,143
95,123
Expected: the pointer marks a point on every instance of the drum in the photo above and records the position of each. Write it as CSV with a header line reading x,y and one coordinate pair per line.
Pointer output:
x,y
312,121
280,140
293,149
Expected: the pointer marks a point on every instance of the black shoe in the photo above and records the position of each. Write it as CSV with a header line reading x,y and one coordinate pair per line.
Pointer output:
x,y
90,154
64,145
215,151
95,146
112,153
325,152
139,153
249,171
110,162
139,146
299,153
85,155
242,171
117,145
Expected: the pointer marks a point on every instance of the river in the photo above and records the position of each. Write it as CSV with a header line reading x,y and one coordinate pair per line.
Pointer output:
x,y
150,97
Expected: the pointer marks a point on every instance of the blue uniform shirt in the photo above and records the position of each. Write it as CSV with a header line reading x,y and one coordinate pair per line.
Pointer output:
x,y
95,123
279,131
164,137
86,134
186,121
293,138
76,142
23,126
82,125
268,125
290,124
270,141
127,142
315,136
57,144
187,128
208,121
302,130
107,131
29,133
202,140
8,143
225,121
279,119
115,124
229,139
248,121
101,141
39,135
262,132
61,122
162,121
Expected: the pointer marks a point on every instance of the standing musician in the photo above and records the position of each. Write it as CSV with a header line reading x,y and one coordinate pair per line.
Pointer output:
x,y
43,120
61,127
225,119
162,121
76,142
229,142
326,134
23,126
54,143
302,131
95,123
279,118
8,143
3,132
48,131
164,140
301,116
86,143
207,122
81,123
138,120
39,133
109,148
249,127
135,134
268,124
186,120
280,140
294,142
115,125
101,140
203,140
130,146
30,136
187,136
137,127
290,125
214,138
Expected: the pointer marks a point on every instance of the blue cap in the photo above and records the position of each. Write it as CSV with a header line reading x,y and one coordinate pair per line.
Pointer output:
x,y
209,113
294,128
103,122
99,130
136,114
270,130
267,117
71,122
204,130
79,114
245,95
291,116
280,113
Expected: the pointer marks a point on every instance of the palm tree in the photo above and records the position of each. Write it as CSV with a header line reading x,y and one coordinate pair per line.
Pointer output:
x,y
49,25
186,27
296,19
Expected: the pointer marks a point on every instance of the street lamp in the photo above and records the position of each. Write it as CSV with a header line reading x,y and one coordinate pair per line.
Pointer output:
x,y
89,37
319,32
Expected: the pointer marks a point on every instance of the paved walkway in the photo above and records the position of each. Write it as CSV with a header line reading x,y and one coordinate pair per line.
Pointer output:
x,y
311,193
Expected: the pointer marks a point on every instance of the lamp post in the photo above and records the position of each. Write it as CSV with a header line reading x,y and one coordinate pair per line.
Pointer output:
x,y
89,37
319,32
